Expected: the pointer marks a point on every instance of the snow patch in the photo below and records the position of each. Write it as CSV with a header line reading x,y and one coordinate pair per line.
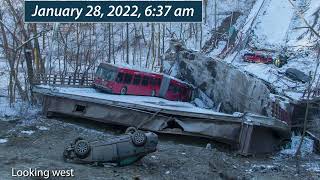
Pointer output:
x,y
18,109
306,147
42,128
3,141
29,132
262,168
271,30
199,103
312,167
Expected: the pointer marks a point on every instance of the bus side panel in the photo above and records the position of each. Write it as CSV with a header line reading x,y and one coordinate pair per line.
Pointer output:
x,y
136,88
173,93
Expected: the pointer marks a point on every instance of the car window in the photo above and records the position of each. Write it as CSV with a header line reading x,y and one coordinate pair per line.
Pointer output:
x,y
127,78
145,81
136,79
119,77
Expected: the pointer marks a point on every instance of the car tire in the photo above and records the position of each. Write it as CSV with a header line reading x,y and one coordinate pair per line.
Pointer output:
x,y
123,91
82,149
139,138
153,93
131,130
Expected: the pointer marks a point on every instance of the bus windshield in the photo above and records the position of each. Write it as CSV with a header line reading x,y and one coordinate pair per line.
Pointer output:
x,y
106,74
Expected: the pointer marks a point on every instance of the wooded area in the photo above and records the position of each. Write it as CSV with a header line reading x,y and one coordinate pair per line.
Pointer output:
x,y
62,48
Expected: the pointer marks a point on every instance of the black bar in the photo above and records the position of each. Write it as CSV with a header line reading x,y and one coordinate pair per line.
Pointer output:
x,y
137,11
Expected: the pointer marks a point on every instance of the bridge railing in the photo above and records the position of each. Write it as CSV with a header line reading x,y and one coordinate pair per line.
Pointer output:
x,y
66,79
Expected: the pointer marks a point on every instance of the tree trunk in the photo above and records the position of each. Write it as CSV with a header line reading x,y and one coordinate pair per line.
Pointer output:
x,y
127,60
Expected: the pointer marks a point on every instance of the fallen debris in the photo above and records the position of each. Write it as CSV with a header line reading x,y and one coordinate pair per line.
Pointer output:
x,y
306,147
244,131
297,75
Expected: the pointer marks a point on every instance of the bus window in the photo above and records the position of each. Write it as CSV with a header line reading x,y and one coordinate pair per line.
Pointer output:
x,y
127,78
108,74
171,88
136,79
174,88
145,81
153,81
119,77
159,82
100,72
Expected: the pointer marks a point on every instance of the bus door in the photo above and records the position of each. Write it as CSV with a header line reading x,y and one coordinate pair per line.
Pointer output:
x,y
155,83
164,86
127,83
145,88
136,84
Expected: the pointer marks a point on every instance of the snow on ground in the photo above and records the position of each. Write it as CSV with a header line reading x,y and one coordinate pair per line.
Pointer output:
x,y
306,147
300,37
29,132
251,17
3,141
275,27
42,128
276,76
312,167
273,24
19,109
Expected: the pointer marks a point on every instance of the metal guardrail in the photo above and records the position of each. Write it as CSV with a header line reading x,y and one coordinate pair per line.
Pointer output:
x,y
279,113
67,79
315,93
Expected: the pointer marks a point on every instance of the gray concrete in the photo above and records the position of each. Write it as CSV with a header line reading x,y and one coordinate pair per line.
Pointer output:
x,y
221,82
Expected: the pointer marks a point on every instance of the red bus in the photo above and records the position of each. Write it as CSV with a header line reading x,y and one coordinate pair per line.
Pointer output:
x,y
122,80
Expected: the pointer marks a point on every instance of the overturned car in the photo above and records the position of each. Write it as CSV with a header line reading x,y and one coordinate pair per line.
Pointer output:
x,y
122,150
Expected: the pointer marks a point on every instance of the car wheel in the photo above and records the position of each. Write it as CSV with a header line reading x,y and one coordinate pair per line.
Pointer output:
x,y
123,91
139,138
131,130
153,92
82,149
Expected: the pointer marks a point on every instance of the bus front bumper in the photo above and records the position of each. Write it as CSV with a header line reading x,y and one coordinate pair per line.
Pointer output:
x,y
102,88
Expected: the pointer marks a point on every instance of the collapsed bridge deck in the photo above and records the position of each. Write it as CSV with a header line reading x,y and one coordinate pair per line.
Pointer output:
x,y
250,133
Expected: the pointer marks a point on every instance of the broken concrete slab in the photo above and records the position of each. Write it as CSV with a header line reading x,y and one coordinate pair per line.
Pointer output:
x,y
238,130
222,82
